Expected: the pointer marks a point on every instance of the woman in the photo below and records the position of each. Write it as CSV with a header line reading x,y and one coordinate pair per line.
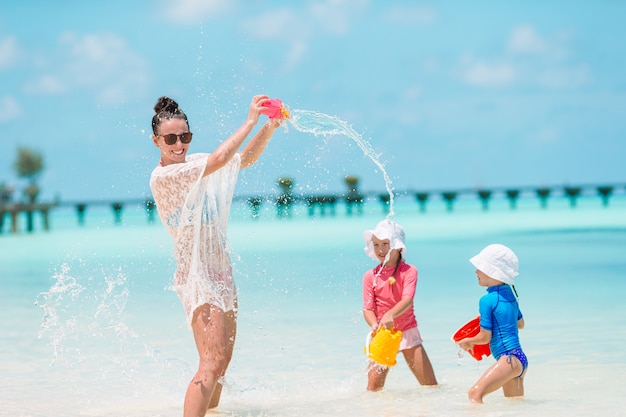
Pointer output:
x,y
388,292
193,194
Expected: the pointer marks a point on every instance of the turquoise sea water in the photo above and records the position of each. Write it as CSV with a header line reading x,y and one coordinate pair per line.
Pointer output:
x,y
90,329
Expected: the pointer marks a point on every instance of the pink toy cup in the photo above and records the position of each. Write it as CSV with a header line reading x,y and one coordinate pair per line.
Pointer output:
x,y
275,109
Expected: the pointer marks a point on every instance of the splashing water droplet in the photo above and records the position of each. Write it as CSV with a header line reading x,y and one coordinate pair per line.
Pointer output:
x,y
320,124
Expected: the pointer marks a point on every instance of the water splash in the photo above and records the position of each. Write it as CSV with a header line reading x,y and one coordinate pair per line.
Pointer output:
x,y
320,124
78,316
58,322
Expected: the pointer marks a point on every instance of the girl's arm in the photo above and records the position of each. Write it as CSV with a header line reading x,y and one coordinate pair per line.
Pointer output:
x,y
370,319
484,336
520,323
402,306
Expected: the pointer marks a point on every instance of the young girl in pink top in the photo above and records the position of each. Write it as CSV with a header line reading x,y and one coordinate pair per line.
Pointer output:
x,y
388,292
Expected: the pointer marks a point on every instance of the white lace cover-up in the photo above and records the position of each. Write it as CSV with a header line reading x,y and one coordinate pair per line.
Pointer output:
x,y
195,210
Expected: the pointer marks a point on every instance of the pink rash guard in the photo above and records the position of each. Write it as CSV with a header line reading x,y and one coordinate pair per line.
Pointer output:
x,y
379,295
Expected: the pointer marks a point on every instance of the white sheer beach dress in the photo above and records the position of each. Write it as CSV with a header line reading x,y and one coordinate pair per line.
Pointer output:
x,y
195,210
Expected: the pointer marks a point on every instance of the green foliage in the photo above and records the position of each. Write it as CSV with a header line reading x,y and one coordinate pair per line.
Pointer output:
x,y
285,182
29,164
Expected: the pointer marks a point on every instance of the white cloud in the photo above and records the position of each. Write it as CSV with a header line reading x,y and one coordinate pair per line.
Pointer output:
x,y
296,27
297,51
283,25
9,109
194,11
8,52
334,15
412,92
330,16
46,84
545,135
411,15
524,39
277,24
528,59
565,77
102,62
488,74
545,61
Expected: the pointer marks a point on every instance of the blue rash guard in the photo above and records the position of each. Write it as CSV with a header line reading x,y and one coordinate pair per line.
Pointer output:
x,y
499,313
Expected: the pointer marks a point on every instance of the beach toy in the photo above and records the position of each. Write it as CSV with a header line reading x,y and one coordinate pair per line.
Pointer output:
x,y
383,346
275,108
469,329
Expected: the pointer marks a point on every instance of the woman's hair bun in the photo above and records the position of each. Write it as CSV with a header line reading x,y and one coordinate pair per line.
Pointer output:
x,y
165,104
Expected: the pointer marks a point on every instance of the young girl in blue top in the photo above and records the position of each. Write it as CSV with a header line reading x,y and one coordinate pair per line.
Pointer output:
x,y
500,319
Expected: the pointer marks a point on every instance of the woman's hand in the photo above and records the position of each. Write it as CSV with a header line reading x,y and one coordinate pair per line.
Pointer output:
x,y
256,106
275,122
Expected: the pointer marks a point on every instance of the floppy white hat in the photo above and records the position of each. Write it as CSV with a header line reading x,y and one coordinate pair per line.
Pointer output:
x,y
386,229
497,261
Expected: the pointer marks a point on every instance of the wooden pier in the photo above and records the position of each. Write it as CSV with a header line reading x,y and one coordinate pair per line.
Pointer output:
x,y
321,205
13,210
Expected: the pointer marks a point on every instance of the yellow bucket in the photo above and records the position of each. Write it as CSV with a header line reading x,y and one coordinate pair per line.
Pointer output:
x,y
383,346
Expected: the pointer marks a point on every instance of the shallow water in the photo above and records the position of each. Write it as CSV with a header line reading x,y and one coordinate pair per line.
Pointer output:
x,y
91,330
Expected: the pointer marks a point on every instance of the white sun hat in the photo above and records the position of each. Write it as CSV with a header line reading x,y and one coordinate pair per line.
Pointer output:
x,y
386,229
497,261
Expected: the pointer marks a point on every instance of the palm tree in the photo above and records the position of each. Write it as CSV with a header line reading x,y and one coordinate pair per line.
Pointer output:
x,y
29,164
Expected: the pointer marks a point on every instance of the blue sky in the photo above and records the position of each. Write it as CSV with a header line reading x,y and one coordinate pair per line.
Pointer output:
x,y
450,94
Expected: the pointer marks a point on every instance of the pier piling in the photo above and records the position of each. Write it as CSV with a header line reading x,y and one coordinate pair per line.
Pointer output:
x,y
605,192
572,193
150,206
449,197
117,212
255,206
422,198
512,195
385,199
543,194
484,196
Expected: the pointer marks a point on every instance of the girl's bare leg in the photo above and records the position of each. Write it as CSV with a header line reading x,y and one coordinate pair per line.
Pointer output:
x,y
376,375
514,387
420,365
503,374
214,333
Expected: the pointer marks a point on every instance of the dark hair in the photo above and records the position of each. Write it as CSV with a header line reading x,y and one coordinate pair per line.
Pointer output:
x,y
166,109
397,264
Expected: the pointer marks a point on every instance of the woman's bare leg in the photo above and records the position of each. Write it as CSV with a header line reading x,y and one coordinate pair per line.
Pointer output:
x,y
420,365
231,329
503,372
214,332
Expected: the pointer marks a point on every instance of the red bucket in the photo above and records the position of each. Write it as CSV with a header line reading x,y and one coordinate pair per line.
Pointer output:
x,y
469,329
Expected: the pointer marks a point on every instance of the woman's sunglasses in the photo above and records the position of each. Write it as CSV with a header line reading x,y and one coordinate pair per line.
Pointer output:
x,y
172,138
